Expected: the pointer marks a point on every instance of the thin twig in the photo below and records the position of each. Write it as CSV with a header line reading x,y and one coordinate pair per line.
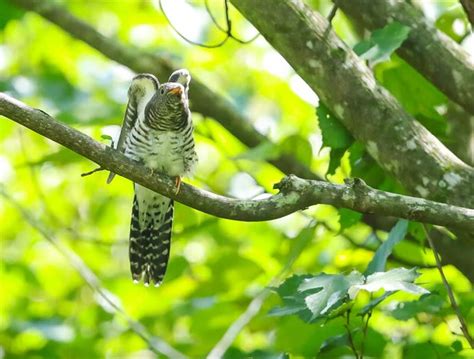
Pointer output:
x,y
212,46
332,13
98,169
364,336
227,32
211,15
454,304
157,345
236,327
349,334
255,305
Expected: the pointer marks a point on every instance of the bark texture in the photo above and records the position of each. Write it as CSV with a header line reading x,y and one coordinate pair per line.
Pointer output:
x,y
435,55
295,193
395,139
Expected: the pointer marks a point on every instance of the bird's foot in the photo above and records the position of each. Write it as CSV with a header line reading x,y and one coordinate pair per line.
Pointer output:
x,y
177,183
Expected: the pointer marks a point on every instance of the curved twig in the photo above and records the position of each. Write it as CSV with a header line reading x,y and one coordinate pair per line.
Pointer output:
x,y
228,31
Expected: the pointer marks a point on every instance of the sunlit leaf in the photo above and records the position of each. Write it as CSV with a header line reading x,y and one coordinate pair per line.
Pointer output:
x,y
382,43
393,280
335,136
313,297
398,232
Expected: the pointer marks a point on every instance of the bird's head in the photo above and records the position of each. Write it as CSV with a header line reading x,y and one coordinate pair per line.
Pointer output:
x,y
170,95
167,107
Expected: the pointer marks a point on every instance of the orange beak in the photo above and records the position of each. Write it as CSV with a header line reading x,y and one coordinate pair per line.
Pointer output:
x,y
176,91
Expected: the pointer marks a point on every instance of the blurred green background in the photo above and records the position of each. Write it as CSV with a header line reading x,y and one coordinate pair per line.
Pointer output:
x,y
217,267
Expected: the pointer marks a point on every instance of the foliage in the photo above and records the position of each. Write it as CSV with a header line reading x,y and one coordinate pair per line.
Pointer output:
x,y
217,267
382,43
328,296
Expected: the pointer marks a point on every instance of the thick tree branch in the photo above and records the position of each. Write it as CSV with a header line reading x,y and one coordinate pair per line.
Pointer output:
x,y
394,138
295,193
204,100
468,6
439,58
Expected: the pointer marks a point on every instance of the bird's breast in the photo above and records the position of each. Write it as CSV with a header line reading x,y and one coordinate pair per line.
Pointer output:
x,y
166,155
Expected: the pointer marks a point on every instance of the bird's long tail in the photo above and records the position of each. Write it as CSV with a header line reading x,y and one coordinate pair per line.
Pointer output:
x,y
150,236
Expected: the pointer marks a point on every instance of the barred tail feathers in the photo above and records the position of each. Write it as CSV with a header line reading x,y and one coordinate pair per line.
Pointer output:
x,y
135,249
150,235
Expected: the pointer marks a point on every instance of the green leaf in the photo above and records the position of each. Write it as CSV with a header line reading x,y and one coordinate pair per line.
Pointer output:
x,y
429,303
373,303
9,13
294,303
398,232
297,146
335,157
430,350
335,342
335,136
416,94
348,217
382,43
314,297
333,291
263,152
393,280
457,346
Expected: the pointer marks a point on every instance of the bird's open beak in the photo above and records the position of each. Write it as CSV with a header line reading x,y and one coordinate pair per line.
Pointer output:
x,y
176,91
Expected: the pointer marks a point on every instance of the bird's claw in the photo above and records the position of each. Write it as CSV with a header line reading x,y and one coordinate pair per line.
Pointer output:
x,y
177,183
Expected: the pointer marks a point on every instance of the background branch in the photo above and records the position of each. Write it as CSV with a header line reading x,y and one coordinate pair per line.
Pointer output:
x,y
468,6
436,56
157,345
367,110
391,136
295,193
204,100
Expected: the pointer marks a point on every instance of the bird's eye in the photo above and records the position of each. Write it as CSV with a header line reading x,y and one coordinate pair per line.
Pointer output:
x,y
162,91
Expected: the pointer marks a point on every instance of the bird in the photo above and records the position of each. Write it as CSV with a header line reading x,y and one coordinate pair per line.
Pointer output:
x,y
158,132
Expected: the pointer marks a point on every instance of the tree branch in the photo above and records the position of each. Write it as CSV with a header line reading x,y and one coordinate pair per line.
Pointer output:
x,y
204,100
392,136
439,58
295,193
468,6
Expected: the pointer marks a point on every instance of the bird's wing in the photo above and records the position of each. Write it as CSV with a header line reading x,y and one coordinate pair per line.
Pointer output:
x,y
182,77
142,88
